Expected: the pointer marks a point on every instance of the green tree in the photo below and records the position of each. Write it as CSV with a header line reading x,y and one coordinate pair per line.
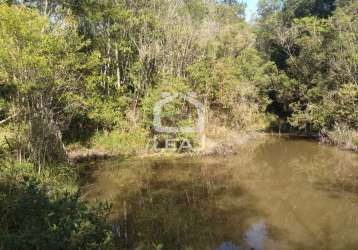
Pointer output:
x,y
42,75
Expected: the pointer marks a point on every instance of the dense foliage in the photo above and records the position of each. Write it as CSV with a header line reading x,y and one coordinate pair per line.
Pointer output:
x,y
39,212
314,45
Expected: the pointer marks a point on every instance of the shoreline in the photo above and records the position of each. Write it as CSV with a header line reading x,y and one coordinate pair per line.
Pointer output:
x,y
214,148
223,147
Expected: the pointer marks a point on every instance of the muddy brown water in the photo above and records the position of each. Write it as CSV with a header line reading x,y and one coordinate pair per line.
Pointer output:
x,y
275,193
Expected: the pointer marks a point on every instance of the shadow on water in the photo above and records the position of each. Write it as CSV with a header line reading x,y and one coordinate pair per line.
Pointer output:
x,y
275,194
86,169
182,209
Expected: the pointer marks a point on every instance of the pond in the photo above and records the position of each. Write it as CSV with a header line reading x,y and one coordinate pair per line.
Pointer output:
x,y
275,193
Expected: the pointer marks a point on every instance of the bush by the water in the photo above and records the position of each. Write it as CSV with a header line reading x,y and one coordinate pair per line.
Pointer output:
x,y
38,215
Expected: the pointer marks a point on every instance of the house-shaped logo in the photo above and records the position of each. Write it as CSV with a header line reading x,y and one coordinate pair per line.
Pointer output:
x,y
190,98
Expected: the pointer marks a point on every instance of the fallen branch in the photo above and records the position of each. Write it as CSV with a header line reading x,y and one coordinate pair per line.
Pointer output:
x,y
9,118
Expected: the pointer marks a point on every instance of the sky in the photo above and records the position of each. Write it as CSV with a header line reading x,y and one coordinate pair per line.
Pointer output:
x,y
251,8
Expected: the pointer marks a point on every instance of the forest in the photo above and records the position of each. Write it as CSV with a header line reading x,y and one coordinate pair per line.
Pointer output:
x,y
84,75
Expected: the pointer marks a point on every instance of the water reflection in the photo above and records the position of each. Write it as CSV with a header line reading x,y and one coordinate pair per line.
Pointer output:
x,y
255,238
228,246
275,194
256,235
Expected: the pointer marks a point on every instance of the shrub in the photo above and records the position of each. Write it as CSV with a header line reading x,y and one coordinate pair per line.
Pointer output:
x,y
36,215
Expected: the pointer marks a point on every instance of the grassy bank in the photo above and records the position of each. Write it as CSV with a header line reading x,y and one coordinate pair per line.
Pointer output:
x,y
104,145
218,140
221,141
341,137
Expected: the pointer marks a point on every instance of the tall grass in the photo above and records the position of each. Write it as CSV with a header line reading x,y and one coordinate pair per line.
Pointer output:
x,y
343,137
119,142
